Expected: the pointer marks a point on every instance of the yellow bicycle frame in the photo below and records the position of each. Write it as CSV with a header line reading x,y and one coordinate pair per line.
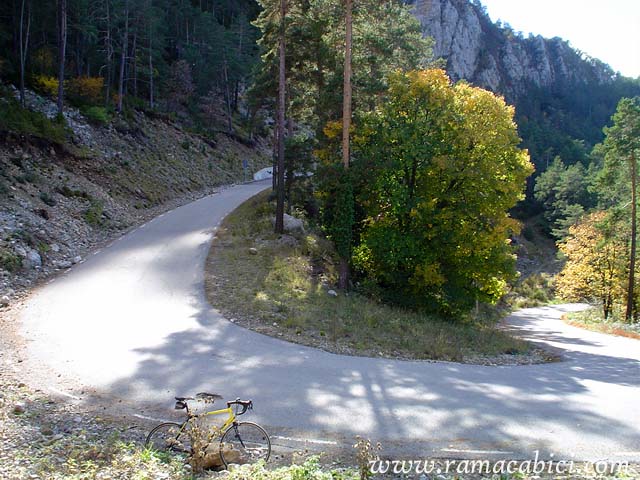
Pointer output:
x,y
228,422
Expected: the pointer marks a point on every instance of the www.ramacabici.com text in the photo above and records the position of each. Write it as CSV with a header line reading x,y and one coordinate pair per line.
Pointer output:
x,y
536,466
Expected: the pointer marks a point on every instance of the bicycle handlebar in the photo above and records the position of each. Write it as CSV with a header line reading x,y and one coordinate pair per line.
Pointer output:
x,y
245,404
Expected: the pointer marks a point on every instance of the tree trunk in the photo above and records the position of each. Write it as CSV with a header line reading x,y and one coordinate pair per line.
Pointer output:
x,y
227,95
150,57
123,55
279,227
346,103
134,64
343,270
274,171
109,50
62,47
24,47
632,260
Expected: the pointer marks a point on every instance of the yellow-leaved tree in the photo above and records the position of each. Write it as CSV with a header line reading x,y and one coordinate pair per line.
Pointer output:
x,y
595,263
439,166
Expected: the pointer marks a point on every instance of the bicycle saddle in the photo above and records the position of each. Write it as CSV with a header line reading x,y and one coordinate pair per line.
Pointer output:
x,y
208,397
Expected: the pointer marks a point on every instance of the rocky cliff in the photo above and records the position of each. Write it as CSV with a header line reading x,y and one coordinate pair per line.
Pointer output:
x,y
496,57
563,98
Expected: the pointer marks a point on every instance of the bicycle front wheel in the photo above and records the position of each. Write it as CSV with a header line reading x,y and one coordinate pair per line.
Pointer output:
x,y
244,442
169,437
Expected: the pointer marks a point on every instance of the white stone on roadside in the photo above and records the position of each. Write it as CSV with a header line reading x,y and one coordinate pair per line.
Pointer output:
x,y
54,247
33,259
253,251
63,264
332,293
291,224
263,174
77,259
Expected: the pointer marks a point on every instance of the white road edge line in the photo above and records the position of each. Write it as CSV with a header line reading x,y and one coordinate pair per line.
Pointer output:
x,y
488,452
144,417
63,393
306,440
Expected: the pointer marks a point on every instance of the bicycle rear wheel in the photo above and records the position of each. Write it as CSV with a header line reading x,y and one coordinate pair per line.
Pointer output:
x,y
244,442
169,437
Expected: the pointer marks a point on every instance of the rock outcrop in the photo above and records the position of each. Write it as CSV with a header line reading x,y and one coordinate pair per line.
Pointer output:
x,y
497,58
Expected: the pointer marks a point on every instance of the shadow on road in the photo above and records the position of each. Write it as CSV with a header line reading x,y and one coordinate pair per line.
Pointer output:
x,y
514,409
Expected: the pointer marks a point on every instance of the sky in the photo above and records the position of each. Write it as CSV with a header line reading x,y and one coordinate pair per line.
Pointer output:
x,y
605,29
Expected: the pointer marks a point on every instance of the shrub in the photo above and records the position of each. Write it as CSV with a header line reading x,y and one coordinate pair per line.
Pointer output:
x,y
85,90
93,215
14,118
71,193
27,177
47,199
9,260
46,85
96,115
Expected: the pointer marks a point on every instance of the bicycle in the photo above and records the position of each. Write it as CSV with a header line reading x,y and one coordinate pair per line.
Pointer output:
x,y
240,442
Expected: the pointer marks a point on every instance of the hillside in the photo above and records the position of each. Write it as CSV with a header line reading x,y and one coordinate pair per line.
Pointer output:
x,y
563,98
58,200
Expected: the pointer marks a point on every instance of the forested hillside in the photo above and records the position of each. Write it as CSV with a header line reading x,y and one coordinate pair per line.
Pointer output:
x,y
117,53
240,74
150,113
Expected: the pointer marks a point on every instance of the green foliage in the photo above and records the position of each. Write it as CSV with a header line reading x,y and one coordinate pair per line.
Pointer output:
x,y
310,469
68,192
93,215
620,148
47,199
96,115
286,283
9,261
299,161
439,167
386,37
338,207
533,291
592,319
565,192
14,118
27,177
566,119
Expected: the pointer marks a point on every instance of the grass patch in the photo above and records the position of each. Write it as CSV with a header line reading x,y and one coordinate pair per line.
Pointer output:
x,y
9,261
14,118
592,319
93,215
280,289
96,115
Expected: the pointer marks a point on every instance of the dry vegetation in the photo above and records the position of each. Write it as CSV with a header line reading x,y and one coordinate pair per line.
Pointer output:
x,y
281,286
593,320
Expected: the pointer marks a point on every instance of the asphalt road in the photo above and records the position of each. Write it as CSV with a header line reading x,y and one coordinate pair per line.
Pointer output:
x,y
132,321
